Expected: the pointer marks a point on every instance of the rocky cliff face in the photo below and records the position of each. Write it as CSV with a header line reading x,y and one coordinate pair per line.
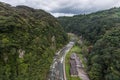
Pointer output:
x,y
26,45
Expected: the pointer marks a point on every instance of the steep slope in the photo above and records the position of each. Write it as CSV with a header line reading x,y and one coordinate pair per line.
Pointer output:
x,y
92,26
102,30
104,61
28,40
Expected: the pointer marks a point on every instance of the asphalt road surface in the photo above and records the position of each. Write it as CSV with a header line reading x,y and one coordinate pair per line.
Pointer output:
x,y
57,71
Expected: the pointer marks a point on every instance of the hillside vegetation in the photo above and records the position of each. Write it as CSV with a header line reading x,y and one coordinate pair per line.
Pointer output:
x,y
102,31
28,40
92,26
104,60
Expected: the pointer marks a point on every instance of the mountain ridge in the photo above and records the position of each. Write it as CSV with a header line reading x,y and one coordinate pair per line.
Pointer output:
x,y
29,38
100,33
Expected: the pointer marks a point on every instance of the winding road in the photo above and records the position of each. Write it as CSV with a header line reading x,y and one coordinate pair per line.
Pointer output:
x,y
57,69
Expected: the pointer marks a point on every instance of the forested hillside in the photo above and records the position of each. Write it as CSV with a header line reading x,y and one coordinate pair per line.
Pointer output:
x,y
104,60
102,31
28,40
92,26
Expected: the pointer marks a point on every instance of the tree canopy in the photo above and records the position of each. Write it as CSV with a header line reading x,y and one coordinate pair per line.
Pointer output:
x,y
102,31
26,45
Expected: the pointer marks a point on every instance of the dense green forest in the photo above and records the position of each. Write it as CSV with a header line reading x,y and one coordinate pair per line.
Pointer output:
x,y
28,40
104,60
92,26
102,31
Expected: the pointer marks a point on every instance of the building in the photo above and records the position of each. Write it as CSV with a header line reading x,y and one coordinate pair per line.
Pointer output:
x,y
73,68
73,56
74,64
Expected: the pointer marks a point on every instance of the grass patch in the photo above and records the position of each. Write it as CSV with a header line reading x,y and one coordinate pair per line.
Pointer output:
x,y
77,50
